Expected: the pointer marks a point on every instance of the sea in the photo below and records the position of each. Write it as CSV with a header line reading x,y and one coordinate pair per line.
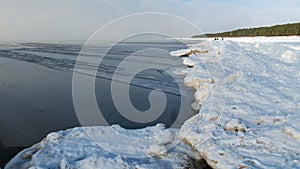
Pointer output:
x,y
37,87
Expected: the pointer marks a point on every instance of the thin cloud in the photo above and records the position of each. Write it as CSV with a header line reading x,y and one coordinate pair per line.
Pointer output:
x,y
77,19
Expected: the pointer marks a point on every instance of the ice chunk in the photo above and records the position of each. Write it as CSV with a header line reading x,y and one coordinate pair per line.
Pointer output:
x,y
158,150
181,52
288,57
77,148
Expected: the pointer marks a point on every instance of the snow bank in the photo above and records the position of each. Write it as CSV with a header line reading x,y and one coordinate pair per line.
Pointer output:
x,y
260,125
197,76
151,147
266,39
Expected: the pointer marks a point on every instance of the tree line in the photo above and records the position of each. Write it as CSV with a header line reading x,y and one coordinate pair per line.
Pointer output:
x,y
277,30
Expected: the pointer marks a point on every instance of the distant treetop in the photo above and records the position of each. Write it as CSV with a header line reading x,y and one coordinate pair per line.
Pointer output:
x,y
277,30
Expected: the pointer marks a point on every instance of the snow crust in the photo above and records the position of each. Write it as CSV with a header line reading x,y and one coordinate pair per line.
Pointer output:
x,y
285,39
74,149
260,125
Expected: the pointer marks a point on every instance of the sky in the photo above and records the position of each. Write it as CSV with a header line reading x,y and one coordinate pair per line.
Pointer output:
x,y
55,20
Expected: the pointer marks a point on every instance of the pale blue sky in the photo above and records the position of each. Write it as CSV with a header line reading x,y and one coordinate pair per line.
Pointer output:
x,y
77,19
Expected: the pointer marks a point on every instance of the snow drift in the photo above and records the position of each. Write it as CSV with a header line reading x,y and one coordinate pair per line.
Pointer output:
x,y
260,124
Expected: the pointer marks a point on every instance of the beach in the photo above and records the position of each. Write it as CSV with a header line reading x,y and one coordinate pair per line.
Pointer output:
x,y
257,127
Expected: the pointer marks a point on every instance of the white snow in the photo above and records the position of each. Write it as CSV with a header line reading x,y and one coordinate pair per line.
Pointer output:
x,y
266,39
289,57
110,147
260,125
189,62
180,52
158,150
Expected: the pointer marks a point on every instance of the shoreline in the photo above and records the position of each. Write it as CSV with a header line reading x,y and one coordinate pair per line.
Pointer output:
x,y
48,97
259,125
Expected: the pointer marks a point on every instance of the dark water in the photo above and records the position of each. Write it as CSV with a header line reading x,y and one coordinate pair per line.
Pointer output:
x,y
36,90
